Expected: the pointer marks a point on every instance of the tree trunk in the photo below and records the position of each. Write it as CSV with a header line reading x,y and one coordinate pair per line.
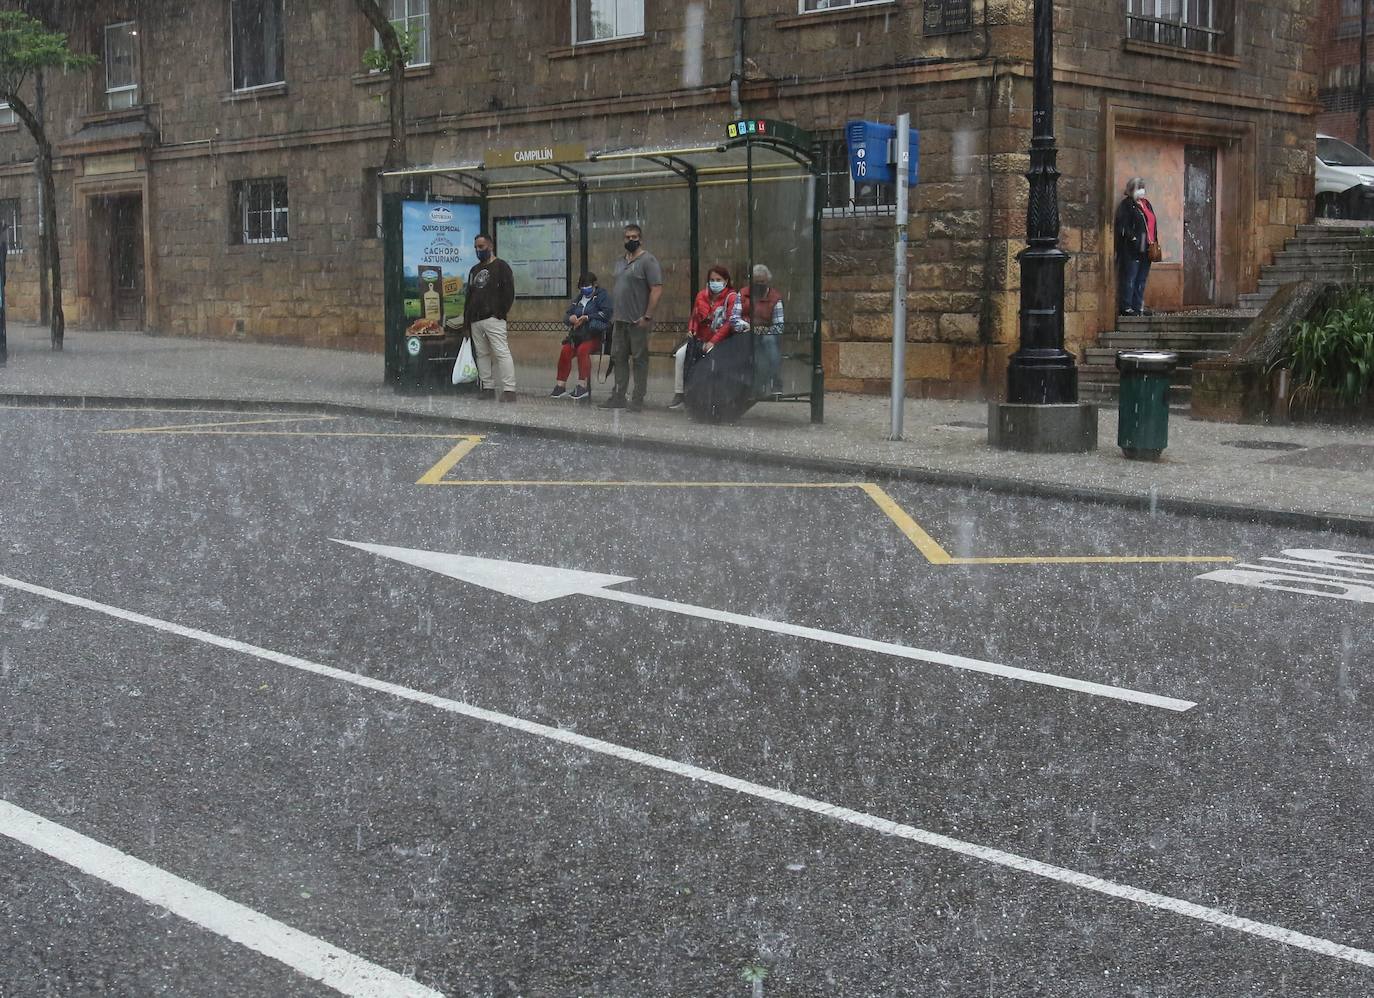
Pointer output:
x,y
59,320
396,152
44,297
52,261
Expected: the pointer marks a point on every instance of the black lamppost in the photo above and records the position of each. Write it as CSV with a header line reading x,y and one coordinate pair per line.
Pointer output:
x,y
1042,412
1041,372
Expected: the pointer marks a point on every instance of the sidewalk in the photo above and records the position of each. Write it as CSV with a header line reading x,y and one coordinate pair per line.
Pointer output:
x,y
1310,476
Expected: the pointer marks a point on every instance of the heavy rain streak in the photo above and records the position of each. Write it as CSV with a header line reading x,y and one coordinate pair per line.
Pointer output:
x,y
730,497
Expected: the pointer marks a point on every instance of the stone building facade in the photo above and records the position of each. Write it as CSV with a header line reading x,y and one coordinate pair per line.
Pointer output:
x,y
233,192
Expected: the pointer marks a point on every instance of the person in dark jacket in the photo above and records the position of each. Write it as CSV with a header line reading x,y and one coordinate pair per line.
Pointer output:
x,y
1137,229
490,294
588,320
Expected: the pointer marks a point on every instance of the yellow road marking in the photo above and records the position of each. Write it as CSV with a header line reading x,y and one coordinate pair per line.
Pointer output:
x,y
600,483
1098,560
435,475
196,427
926,544
130,408
303,433
929,548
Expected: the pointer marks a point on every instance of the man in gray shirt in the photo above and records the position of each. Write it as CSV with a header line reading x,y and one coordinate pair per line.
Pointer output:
x,y
638,287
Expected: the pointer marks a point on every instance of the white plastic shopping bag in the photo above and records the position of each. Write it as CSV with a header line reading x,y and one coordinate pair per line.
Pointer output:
x,y
465,367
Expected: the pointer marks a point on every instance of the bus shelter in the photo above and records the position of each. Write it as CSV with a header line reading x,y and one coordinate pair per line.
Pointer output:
x,y
751,198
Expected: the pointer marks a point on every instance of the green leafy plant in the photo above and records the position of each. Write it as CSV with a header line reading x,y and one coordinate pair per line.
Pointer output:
x,y
379,61
1335,351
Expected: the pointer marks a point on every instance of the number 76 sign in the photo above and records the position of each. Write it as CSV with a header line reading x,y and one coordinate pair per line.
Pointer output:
x,y
872,150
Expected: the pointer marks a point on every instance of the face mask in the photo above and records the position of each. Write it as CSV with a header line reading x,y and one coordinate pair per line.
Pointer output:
x,y
587,291
631,245
1140,192
484,255
758,291
716,286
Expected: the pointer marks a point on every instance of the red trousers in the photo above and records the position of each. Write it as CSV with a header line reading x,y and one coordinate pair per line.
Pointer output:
x,y
584,360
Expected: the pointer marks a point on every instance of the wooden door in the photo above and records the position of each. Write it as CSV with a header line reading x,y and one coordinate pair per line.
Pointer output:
x,y
126,261
1200,225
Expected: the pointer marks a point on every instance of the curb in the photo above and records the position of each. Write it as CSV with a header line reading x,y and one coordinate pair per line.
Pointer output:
x,y
1358,526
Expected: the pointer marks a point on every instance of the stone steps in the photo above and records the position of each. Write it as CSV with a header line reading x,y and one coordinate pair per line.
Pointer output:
x,y
1194,336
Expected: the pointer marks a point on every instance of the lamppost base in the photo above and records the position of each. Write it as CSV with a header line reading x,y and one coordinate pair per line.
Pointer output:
x,y
1043,429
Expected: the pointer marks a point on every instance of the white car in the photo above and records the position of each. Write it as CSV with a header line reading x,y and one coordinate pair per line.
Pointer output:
x,y
1345,180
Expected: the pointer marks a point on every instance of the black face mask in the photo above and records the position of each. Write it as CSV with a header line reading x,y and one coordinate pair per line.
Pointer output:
x,y
631,245
757,291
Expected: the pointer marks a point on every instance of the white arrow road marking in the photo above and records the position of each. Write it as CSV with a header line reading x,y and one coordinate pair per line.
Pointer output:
x,y
783,798
538,583
311,957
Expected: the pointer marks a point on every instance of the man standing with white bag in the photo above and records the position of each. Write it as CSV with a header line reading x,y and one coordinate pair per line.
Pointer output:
x,y
491,292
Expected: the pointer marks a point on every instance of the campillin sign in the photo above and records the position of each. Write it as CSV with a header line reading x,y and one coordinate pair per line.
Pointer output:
x,y
536,156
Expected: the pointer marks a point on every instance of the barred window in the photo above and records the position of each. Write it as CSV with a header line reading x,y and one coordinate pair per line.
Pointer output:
x,y
261,211
1188,24
843,197
12,224
7,115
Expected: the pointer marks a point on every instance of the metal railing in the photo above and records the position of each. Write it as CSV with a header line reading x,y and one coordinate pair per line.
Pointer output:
x,y
1177,33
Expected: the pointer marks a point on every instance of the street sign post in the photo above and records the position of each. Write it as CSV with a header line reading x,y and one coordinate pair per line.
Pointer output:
x,y
877,155
899,279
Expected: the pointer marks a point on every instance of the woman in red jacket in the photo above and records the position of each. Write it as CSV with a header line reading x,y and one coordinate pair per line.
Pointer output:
x,y
710,323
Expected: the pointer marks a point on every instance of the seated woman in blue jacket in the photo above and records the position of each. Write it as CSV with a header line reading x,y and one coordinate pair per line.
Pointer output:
x,y
589,321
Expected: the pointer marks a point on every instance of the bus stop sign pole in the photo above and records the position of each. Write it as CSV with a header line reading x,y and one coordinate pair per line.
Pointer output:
x,y
899,279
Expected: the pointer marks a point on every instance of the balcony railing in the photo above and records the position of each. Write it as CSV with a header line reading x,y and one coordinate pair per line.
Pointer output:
x,y
1179,34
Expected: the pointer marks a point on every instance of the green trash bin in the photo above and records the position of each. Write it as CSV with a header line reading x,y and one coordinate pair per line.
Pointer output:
x,y
1143,428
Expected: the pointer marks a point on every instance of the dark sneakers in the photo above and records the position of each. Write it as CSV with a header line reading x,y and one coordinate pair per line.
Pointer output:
x,y
509,397
487,393
636,405
558,392
614,402
581,394
678,401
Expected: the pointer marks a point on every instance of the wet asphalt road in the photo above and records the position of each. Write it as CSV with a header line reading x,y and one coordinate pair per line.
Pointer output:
x,y
482,860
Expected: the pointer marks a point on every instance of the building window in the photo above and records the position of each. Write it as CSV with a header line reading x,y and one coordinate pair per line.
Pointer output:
x,y
809,6
600,20
12,224
256,35
947,17
411,17
1349,26
7,115
121,65
261,211
843,197
1187,24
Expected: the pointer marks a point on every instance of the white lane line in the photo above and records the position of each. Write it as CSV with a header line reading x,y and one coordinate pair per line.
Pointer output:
x,y
541,583
997,857
903,651
313,958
